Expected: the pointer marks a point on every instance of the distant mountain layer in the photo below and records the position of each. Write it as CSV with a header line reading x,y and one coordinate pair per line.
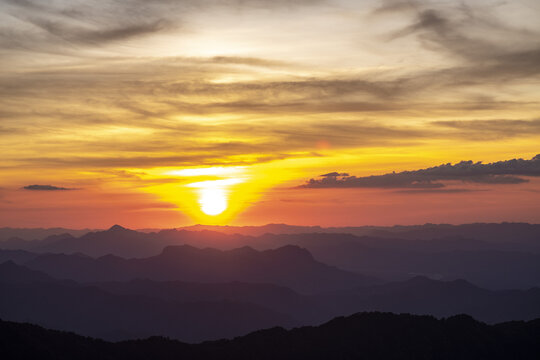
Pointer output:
x,y
38,233
28,295
521,233
514,263
479,231
204,311
361,336
289,266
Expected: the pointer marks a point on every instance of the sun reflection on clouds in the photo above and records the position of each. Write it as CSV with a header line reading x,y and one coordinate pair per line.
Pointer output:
x,y
207,171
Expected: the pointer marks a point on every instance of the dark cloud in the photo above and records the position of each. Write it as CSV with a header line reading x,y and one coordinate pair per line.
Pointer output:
x,y
334,174
501,172
46,188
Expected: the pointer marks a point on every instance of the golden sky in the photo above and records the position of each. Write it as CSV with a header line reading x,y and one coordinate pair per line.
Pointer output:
x,y
173,112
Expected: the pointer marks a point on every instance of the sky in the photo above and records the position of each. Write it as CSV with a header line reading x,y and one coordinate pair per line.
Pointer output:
x,y
174,112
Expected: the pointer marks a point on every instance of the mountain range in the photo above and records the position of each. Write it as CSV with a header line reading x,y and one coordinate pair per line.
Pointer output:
x,y
138,308
381,336
513,263
289,266
198,284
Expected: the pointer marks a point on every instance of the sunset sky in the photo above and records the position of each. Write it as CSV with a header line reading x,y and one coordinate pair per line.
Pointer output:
x,y
167,113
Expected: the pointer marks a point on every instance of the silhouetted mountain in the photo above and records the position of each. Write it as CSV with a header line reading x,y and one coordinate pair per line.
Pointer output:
x,y
419,296
487,264
278,298
288,266
116,240
37,233
493,269
361,336
491,232
13,273
257,230
129,243
124,242
17,256
495,264
121,310
32,296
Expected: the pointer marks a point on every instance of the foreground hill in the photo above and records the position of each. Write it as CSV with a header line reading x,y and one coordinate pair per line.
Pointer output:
x,y
381,336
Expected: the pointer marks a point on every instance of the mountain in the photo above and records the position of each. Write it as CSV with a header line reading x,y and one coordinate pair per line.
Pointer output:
x,y
129,243
492,269
139,308
17,256
495,264
289,266
37,233
381,336
419,295
277,298
490,265
122,242
65,305
13,273
491,232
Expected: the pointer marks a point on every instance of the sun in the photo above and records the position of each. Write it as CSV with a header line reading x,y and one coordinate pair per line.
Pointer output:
x,y
213,201
213,195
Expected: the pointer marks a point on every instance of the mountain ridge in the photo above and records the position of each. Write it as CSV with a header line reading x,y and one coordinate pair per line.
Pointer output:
x,y
359,336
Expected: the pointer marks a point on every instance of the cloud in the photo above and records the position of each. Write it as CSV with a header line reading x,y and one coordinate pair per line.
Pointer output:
x,y
242,108
67,26
79,35
46,188
334,174
489,48
501,172
490,129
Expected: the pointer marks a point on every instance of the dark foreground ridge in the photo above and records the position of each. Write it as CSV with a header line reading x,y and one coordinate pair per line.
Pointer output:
x,y
360,336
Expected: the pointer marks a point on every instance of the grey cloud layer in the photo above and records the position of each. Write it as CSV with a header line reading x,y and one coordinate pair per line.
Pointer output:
x,y
501,172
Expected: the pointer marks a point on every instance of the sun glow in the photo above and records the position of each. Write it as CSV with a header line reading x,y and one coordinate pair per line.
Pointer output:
x,y
209,171
216,195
